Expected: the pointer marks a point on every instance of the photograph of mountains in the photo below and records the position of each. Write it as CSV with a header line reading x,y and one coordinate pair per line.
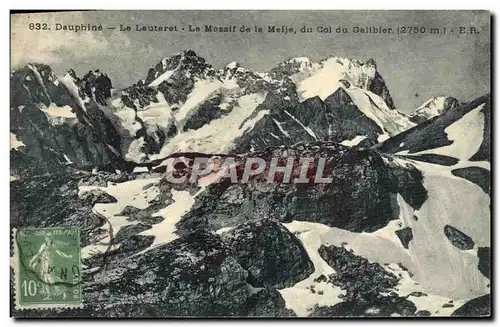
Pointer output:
x,y
402,230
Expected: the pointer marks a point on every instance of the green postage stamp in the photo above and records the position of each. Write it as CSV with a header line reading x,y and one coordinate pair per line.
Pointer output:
x,y
48,271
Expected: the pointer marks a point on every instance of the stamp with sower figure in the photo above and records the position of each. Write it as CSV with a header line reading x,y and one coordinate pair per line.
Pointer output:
x,y
48,269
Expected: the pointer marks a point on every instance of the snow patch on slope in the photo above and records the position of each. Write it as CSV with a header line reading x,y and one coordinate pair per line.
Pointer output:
x,y
432,107
312,82
135,151
68,82
374,107
14,142
39,79
355,141
299,297
163,77
282,130
202,91
442,271
55,111
157,114
127,120
164,231
131,193
218,136
428,302
307,129
59,115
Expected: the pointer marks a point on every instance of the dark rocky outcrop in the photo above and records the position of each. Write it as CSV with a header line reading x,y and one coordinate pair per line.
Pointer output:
x,y
476,175
362,280
336,119
96,196
266,303
358,198
96,85
484,152
430,134
269,252
378,86
458,239
177,87
405,235
433,158
478,307
143,94
87,139
365,284
207,112
129,231
382,307
52,201
484,265
407,181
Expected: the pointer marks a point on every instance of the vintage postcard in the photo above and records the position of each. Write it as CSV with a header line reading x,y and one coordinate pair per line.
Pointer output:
x,y
279,164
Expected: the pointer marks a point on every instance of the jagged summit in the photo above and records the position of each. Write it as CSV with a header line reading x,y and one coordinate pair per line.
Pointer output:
x,y
71,72
371,63
233,65
184,102
184,63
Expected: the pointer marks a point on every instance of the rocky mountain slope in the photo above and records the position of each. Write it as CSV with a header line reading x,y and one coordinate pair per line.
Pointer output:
x,y
403,229
432,108
57,121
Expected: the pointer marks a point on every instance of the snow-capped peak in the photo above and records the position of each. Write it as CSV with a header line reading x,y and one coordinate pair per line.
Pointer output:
x,y
323,78
233,65
433,107
235,70
300,59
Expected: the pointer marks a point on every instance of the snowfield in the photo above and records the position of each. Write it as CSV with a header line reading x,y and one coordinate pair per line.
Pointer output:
x,y
131,193
164,232
217,136
157,114
439,269
202,91
299,298
354,141
391,121
135,151
163,77
59,115
311,81
55,111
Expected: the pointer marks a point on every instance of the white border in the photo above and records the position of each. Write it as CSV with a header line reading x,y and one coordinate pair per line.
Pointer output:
x,y
200,4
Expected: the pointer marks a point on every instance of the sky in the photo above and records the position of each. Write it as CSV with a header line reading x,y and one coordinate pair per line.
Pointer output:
x,y
415,67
